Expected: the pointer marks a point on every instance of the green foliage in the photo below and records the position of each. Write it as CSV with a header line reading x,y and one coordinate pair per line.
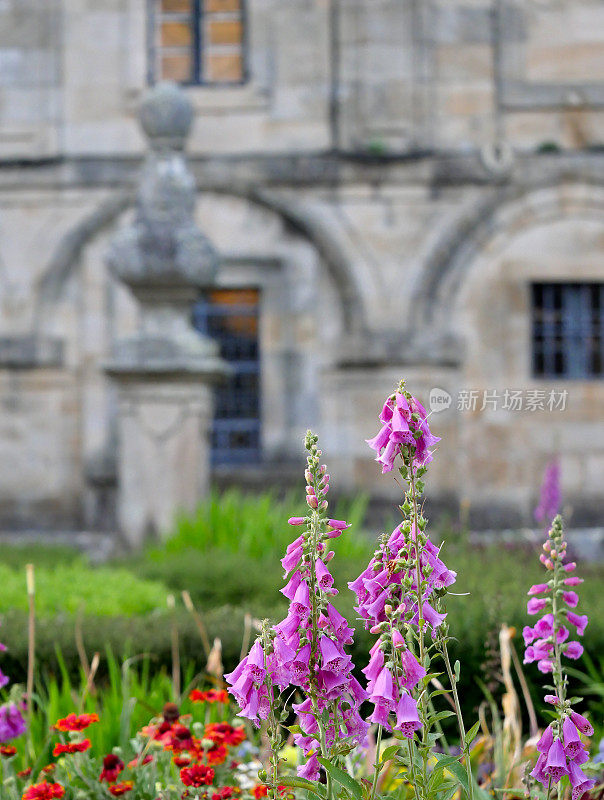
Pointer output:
x,y
255,526
69,588
229,552
228,559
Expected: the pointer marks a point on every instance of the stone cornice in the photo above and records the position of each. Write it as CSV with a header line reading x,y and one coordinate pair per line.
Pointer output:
x,y
313,169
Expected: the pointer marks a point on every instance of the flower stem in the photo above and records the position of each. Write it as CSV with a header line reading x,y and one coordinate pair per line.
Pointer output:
x,y
376,771
460,722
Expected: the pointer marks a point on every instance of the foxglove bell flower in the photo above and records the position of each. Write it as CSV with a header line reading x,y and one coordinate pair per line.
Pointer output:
x,y
550,496
404,422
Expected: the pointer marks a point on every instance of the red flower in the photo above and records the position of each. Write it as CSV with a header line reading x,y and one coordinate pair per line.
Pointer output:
x,y
181,739
181,761
118,789
260,790
197,775
217,755
225,793
44,791
134,763
48,769
112,766
25,773
71,747
211,696
223,733
75,722
7,750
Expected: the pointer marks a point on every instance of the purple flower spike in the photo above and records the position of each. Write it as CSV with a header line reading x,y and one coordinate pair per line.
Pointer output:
x,y
301,602
570,598
12,723
573,650
583,724
579,781
535,605
407,718
324,576
538,588
578,620
338,524
556,765
573,746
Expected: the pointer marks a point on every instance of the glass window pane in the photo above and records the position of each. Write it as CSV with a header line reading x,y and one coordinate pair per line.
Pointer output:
x,y
567,339
223,68
176,34
176,6
224,32
230,316
222,5
176,67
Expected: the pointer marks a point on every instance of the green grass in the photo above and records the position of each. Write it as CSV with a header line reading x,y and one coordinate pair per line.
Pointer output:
x,y
76,587
255,526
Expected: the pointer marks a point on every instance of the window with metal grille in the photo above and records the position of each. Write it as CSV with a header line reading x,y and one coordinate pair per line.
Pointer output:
x,y
230,316
568,330
198,41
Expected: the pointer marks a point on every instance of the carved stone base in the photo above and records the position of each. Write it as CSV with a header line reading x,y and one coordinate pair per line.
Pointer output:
x,y
163,468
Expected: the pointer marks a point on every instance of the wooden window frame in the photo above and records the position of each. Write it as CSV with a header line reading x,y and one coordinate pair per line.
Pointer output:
x,y
198,79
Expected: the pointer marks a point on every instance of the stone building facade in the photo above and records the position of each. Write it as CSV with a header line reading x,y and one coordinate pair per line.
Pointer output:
x,y
402,187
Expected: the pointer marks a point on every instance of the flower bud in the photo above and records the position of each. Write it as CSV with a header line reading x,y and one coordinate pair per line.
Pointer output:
x,y
323,505
296,520
310,489
329,556
308,476
312,500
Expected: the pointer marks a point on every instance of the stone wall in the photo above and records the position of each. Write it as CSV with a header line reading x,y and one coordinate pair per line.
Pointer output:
x,y
382,179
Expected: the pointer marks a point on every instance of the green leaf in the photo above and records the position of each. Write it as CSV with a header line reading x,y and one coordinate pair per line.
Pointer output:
x,y
389,752
302,783
457,670
294,729
440,715
461,775
343,778
471,734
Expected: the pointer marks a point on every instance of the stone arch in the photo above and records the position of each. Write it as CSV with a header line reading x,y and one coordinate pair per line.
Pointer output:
x,y
64,259
484,226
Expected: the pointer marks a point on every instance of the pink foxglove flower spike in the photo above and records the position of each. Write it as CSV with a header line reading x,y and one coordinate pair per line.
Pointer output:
x,y
307,649
561,751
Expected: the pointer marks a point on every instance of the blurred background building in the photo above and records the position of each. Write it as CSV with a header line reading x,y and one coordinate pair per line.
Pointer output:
x,y
395,187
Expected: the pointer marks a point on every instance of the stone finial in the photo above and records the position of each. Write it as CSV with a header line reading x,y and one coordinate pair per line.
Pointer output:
x,y
163,250
166,116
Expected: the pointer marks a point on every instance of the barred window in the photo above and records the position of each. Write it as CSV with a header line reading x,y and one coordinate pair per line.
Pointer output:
x,y
230,316
198,41
568,330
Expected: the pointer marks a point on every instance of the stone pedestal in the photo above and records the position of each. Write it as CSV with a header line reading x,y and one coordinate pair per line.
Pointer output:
x,y
163,428
165,373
